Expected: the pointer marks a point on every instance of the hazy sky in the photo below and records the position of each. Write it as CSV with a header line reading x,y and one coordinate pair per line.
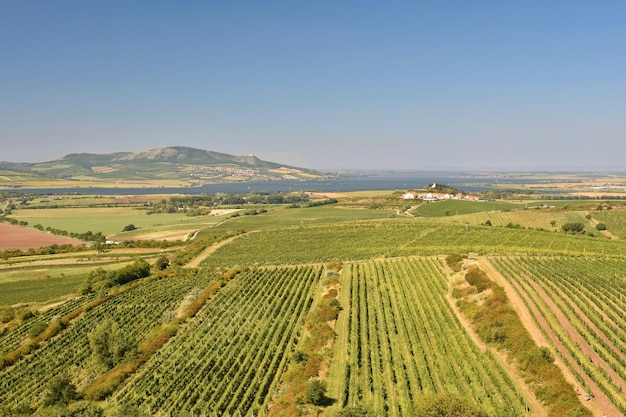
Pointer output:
x,y
321,84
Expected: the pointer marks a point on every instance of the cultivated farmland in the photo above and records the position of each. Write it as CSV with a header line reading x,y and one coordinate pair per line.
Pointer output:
x,y
13,237
317,310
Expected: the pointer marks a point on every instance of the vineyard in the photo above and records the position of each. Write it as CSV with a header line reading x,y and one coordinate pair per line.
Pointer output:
x,y
137,311
395,334
615,220
530,219
403,341
398,237
580,305
228,359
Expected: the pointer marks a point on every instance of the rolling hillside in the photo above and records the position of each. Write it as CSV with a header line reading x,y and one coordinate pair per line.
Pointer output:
x,y
171,166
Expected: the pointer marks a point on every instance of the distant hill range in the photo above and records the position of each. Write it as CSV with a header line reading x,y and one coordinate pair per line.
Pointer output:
x,y
174,166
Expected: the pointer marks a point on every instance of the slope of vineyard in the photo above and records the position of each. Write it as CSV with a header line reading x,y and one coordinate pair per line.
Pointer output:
x,y
136,311
397,237
530,219
615,221
227,360
401,340
580,305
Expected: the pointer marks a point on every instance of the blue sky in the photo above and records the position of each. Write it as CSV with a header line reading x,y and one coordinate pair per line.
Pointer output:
x,y
484,85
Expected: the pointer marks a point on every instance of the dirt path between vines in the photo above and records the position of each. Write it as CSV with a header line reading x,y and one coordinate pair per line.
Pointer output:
x,y
600,402
195,262
537,409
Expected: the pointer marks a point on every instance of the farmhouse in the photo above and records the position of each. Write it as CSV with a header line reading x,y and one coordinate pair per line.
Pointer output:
x,y
411,195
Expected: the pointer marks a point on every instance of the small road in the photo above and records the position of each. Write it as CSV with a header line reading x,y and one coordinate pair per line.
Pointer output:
x,y
195,262
600,402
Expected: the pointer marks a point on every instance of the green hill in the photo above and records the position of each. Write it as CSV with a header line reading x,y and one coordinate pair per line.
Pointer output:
x,y
164,166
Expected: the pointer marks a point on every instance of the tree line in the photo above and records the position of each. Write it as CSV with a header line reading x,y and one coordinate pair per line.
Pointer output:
x,y
189,203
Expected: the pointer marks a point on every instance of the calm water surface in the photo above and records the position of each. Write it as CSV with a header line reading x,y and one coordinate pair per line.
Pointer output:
x,y
343,184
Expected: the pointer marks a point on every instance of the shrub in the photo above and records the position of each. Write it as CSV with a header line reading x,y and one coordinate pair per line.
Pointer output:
x,y
299,356
60,391
109,345
315,392
573,227
36,330
477,278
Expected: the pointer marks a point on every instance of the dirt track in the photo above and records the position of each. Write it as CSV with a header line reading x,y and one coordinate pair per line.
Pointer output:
x,y
537,408
208,251
600,405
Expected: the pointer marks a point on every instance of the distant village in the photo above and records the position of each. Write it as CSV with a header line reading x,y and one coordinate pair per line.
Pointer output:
x,y
435,196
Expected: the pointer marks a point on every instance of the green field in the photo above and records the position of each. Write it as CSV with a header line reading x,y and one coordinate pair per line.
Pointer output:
x,y
107,220
41,284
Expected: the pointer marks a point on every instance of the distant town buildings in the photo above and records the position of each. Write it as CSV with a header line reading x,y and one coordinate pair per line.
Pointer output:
x,y
428,196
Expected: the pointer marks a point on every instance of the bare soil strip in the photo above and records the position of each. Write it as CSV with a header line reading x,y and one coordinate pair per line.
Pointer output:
x,y
195,262
600,405
538,410
594,356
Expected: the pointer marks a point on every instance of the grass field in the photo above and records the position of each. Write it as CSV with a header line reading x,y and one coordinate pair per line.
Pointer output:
x,y
47,283
108,220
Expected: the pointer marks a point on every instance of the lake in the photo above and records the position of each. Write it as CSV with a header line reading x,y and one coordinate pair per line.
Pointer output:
x,y
391,181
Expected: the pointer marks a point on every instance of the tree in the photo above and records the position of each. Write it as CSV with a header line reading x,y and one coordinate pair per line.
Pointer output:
x,y
315,392
162,263
573,227
60,391
109,345
447,405
138,269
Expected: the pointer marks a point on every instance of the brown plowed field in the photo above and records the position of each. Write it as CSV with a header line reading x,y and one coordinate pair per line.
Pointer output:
x,y
14,237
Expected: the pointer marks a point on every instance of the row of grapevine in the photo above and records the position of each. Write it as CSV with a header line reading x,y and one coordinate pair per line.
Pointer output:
x,y
529,219
227,360
15,336
403,340
397,238
136,311
503,240
318,243
582,301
